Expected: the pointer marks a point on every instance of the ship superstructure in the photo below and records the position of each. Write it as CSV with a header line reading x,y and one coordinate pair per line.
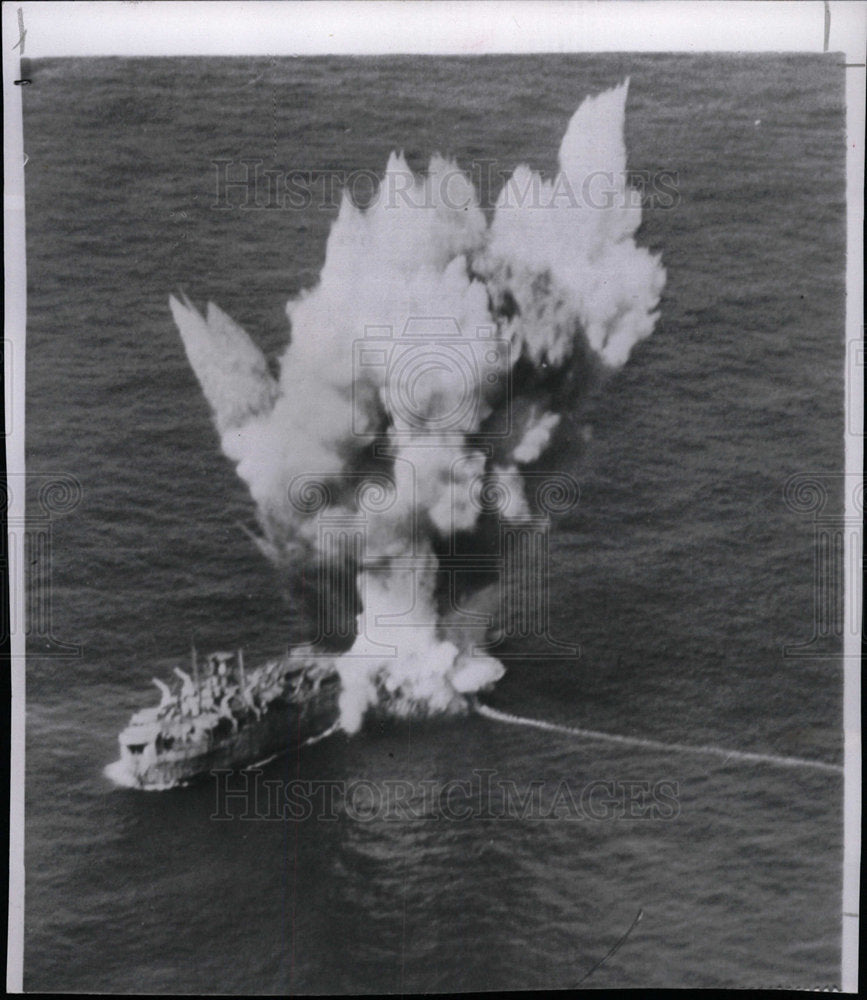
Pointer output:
x,y
221,715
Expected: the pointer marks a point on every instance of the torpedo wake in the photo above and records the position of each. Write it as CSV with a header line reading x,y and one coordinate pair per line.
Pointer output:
x,y
593,735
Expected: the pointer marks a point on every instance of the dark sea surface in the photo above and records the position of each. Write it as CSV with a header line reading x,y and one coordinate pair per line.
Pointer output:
x,y
682,573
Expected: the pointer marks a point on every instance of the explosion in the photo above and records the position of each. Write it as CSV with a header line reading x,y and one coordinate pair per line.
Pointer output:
x,y
430,364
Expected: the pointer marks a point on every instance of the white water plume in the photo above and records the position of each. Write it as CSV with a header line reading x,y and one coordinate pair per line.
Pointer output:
x,y
440,344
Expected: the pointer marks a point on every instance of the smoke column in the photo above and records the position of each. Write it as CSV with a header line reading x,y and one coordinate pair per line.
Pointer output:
x,y
430,364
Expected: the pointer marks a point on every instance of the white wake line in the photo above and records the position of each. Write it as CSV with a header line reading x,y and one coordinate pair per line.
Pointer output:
x,y
635,741
330,731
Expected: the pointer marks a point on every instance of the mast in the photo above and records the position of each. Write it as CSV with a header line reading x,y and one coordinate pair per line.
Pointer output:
x,y
195,660
241,675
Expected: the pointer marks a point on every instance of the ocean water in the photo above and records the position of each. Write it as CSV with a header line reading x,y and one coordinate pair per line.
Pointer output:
x,y
682,573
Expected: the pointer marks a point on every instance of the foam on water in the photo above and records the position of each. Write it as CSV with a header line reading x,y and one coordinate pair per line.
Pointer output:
x,y
636,741
119,775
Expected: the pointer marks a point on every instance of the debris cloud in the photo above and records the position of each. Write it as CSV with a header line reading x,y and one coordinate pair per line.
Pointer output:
x,y
426,369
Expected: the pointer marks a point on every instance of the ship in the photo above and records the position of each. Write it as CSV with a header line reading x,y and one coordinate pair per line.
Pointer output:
x,y
223,716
